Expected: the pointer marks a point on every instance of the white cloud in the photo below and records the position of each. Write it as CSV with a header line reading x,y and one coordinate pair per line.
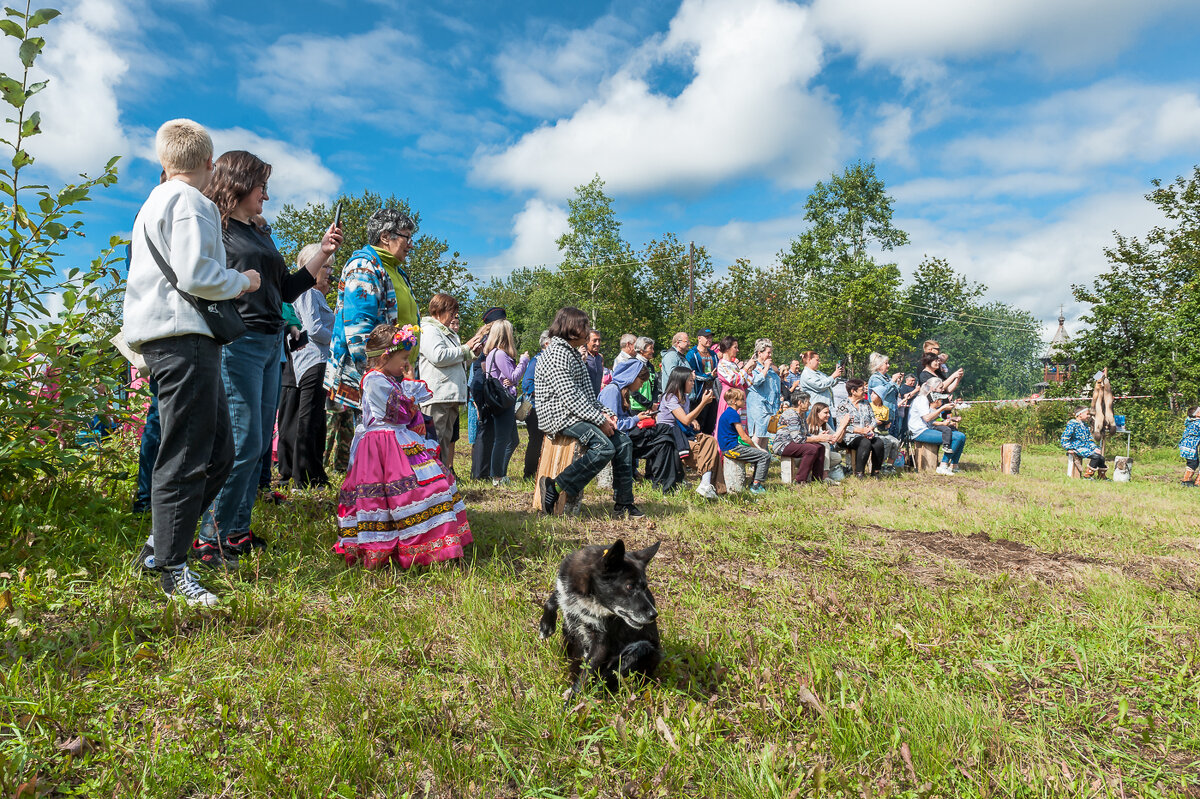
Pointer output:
x,y
375,76
1062,32
746,112
892,137
560,69
536,227
1022,184
1032,263
1106,123
297,174
81,125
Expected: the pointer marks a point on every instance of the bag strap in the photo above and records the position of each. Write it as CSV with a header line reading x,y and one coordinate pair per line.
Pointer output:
x,y
167,271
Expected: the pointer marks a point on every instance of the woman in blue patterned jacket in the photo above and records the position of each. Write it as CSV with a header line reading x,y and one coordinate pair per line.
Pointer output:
x,y
1188,445
374,290
1077,438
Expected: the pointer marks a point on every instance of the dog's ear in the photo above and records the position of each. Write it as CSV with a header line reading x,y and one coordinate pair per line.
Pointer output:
x,y
614,556
643,556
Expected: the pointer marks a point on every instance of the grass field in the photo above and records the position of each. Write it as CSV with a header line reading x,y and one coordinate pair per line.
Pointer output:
x,y
979,635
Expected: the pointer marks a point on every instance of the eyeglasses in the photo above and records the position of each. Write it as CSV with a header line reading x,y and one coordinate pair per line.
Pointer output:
x,y
406,236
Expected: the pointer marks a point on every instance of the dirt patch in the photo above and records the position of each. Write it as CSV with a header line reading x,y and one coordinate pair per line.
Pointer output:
x,y
912,551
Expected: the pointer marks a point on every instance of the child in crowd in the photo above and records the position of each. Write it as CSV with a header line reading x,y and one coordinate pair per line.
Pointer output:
x,y
1188,445
891,444
734,439
1077,437
675,410
398,502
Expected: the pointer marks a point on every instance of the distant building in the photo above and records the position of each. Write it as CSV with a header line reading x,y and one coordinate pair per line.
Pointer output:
x,y
1057,365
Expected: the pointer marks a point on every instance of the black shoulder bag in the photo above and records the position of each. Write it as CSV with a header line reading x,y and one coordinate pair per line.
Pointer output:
x,y
221,316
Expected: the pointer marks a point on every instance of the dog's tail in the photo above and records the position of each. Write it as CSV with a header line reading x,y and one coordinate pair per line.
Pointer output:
x,y
549,616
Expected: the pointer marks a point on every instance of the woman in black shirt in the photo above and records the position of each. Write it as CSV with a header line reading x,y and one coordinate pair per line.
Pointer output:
x,y
251,365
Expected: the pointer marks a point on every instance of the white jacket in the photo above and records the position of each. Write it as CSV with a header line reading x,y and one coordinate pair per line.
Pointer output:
x,y
442,362
185,227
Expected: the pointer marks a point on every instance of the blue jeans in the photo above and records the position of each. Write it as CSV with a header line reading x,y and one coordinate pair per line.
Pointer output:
x,y
599,449
504,440
958,440
148,452
251,373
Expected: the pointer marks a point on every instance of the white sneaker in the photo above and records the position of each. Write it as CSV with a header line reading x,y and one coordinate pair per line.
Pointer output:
x,y
182,583
706,491
944,469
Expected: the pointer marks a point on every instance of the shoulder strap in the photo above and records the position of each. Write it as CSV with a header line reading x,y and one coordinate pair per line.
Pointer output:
x,y
167,271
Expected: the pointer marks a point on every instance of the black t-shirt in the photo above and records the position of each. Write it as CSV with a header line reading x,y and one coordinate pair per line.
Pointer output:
x,y
246,248
924,376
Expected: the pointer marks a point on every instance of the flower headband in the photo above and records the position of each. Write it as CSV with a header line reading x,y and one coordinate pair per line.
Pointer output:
x,y
404,340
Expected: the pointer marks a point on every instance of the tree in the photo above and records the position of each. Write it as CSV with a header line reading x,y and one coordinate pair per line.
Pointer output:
x,y
57,370
661,302
427,265
1143,323
598,269
851,303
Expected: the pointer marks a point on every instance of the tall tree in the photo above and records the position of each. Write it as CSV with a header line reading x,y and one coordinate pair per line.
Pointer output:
x,y
1143,324
663,286
430,265
851,301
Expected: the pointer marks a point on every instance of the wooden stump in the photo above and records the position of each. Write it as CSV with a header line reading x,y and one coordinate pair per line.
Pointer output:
x,y
925,456
787,469
735,474
1010,458
605,478
1074,465
557,454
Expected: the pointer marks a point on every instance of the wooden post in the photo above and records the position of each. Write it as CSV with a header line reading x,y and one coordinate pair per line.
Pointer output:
x,y
1010,458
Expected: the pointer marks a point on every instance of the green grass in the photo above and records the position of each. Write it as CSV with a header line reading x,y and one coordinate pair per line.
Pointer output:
x,y
968,636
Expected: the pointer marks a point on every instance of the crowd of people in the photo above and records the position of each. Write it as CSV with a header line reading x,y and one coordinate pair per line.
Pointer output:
x,y
380,389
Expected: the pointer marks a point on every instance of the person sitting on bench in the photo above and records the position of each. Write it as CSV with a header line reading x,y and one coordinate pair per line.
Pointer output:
x,y
1077,438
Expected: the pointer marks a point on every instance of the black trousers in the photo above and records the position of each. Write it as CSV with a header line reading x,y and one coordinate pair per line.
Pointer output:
x,y
501,429
864,447
481,451
708,418
289,406
302,432
656,445
533,449
196,453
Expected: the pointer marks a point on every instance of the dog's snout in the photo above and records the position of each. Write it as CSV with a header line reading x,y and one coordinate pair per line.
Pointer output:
x,y
652,614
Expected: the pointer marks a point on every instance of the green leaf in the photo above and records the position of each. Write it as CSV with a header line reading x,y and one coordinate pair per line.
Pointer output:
x,y
42,16
11,28
34,88
30,48
21,158
12,91
32,126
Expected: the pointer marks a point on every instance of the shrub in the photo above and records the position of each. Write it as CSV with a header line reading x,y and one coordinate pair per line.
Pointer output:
x,y
58,373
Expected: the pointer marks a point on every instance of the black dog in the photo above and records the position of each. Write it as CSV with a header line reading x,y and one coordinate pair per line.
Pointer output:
x,y
608,614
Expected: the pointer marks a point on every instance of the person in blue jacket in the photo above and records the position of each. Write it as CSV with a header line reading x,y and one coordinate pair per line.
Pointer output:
x,y
702,360
1077,438
1187,446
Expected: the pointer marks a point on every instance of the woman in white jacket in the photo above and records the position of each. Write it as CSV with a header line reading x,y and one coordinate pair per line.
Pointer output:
x,y
442,363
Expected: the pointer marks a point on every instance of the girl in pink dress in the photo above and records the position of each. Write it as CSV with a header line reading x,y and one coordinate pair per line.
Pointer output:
x,y
729,375
397,502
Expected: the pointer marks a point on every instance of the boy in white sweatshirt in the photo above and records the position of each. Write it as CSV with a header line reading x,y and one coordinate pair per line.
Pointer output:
x,y
196,452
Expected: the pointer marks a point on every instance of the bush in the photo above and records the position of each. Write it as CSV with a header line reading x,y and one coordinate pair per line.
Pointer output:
x,y
1152,422
58,373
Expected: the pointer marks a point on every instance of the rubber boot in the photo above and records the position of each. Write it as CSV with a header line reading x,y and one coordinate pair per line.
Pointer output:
x,y
1102,474
1089,473
1189,478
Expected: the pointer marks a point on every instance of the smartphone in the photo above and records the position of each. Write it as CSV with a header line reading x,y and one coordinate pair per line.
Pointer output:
x,y
337,216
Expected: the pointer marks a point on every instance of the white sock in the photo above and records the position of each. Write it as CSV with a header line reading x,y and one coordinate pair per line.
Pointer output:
x,y
706,480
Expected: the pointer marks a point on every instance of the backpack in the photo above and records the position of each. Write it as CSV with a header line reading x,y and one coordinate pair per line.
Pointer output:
x,y
488,392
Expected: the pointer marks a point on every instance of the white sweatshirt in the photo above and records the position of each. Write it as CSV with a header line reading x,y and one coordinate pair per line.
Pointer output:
x,y
185,227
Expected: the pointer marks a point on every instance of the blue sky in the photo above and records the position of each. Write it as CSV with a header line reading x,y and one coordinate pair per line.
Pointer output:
x,y
1015,135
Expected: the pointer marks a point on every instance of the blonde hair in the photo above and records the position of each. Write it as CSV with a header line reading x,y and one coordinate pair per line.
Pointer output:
x,y
876,360
182,146
306,254
733,395
501,337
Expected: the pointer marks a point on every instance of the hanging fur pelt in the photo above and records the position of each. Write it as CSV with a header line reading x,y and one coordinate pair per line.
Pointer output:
x,y
1103,421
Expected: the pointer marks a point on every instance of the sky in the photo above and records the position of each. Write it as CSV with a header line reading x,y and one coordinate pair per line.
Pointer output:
x,y
1014,135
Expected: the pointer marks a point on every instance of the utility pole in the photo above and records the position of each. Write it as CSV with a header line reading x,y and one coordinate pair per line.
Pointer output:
x,y
691,279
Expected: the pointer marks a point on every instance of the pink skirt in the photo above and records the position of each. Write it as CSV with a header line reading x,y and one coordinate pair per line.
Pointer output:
x,y
397,504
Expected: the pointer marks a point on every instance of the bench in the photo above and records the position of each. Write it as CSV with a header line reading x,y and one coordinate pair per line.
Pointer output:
x,y
557,454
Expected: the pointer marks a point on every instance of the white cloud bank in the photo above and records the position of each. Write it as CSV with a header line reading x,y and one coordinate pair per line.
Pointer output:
x,y
535,227
747,111
1060,32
